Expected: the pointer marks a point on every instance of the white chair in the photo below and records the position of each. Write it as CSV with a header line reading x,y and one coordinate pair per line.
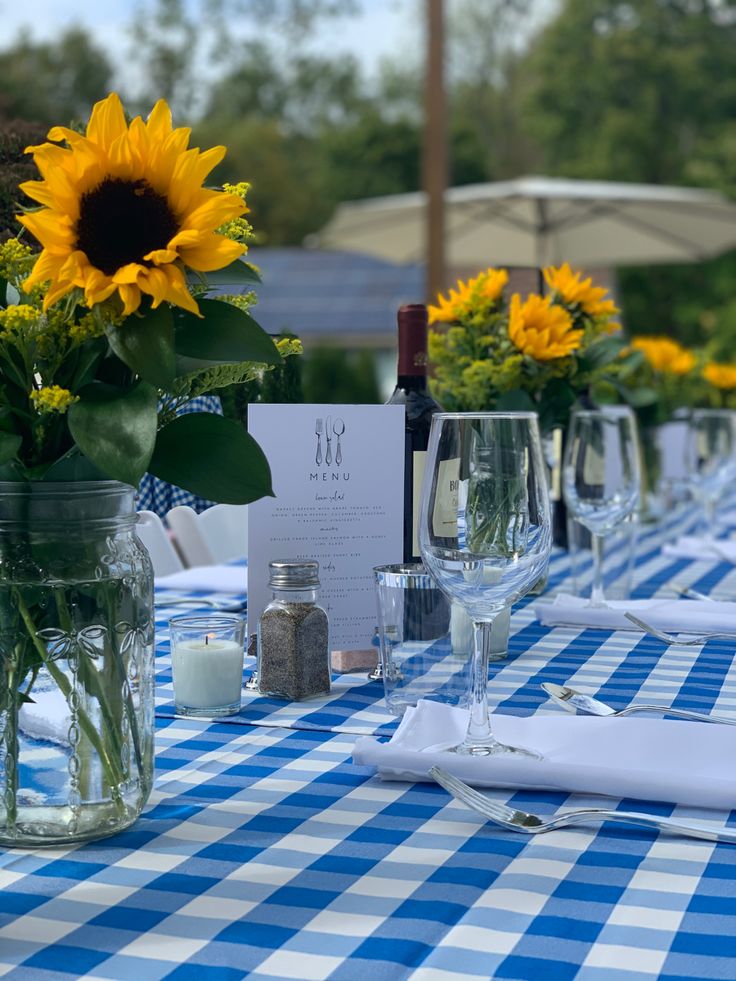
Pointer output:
x,y
215,536
150,529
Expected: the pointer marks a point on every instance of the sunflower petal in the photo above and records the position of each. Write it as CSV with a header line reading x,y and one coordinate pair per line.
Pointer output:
x,y
160,257
214,252
158,124
178,293
189,173
215,212
107,121
130,273
131,297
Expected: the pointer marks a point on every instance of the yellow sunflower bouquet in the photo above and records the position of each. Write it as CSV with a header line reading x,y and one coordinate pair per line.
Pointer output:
x,y
123,315
539,353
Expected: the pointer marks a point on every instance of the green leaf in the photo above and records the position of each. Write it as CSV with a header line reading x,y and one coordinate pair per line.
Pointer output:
x,y
601,353
115,428
146,345
516,401
638,398
236,274
72,466
226,334
9,446
13,471
213,457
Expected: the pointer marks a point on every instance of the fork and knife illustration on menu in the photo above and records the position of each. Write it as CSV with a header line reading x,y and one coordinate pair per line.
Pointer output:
x,y
328,429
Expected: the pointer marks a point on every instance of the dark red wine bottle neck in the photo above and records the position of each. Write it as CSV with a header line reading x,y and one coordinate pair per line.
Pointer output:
x,y
412,320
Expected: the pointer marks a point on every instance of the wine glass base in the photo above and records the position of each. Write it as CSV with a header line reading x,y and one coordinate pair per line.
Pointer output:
x,y
494,748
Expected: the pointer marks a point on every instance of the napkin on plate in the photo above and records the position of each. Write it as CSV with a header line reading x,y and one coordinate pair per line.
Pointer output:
x,y
707,550
671,615
213,578
651,759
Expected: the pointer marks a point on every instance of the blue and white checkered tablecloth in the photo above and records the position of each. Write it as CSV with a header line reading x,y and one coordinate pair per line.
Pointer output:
x,y
266,853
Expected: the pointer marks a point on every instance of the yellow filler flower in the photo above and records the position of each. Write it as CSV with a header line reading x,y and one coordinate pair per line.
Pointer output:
x,y
576,291
542,330
124,210
720,375
471,297
53,398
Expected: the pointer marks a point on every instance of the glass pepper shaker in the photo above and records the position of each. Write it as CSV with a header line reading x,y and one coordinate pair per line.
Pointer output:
x,y
293,652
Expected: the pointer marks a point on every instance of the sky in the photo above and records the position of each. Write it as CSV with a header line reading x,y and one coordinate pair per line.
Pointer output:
x,y
381,28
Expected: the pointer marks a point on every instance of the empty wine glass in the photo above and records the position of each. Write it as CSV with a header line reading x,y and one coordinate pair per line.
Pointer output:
x,y
601,479
484,531
711,458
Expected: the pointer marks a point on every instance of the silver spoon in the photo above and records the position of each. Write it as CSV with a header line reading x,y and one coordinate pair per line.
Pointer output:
x,y
532,824
575,701
688,640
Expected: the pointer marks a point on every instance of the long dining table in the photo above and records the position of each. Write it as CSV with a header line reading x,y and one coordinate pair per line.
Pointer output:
x,y
265,852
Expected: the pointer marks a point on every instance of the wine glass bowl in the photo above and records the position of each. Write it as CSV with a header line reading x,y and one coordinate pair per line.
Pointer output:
x,y
601,480
711,458
484,530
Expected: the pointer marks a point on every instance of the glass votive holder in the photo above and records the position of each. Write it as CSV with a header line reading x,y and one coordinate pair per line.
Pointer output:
x,y
417,655
207,663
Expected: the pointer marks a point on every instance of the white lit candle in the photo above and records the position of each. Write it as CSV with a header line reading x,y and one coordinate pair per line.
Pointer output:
x,y
208,673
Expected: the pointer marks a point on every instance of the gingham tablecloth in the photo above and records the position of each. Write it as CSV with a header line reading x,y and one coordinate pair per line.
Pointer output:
x,y
264,852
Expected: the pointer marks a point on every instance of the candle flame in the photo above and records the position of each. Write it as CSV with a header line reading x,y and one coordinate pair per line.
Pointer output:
x,y
208,637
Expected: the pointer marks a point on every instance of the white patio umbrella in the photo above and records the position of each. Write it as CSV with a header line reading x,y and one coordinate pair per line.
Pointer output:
x,y
537,221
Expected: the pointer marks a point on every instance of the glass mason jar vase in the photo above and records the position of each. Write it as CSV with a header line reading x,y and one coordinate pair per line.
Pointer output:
x,y
76,662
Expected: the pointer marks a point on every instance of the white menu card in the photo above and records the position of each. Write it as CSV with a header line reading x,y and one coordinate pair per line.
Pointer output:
x,y
338,476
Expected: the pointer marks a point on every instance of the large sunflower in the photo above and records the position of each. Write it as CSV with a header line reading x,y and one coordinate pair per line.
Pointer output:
x,y
720,375
124,210
665,354
542,329
576,291
472,297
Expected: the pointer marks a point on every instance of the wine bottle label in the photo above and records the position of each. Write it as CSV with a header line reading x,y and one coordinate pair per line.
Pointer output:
x,y
444,517
418,462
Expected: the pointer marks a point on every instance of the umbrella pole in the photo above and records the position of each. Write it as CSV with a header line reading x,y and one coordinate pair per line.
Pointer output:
x,y
435,150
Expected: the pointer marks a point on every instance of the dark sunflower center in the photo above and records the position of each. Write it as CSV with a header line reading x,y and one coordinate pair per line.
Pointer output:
x,y
121,221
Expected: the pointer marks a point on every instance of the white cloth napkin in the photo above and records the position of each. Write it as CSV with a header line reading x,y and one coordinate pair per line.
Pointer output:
x,y
672,615
693,547
650,759
213,578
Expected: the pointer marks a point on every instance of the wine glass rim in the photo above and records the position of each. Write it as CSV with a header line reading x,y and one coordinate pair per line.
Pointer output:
x,y
606,410
486,415
713,412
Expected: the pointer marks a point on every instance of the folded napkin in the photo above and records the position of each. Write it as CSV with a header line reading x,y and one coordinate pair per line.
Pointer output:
x,y
708,550
652,759
671,615
213,578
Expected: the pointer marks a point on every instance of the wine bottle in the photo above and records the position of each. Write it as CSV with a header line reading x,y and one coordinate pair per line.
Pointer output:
x,y
412,392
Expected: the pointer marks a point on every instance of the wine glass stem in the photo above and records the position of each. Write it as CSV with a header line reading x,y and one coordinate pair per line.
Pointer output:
x,y
597,596
479,725
709,506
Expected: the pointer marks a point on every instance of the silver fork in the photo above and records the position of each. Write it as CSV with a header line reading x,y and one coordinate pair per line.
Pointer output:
x,y
532,824
693,640
318,433
689,591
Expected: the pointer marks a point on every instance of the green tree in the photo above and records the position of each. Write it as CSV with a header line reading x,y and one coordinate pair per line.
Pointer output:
x,y
53,82
631,91
644,92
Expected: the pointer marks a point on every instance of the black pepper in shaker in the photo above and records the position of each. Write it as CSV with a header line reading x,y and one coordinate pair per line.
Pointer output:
x,y
293,651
